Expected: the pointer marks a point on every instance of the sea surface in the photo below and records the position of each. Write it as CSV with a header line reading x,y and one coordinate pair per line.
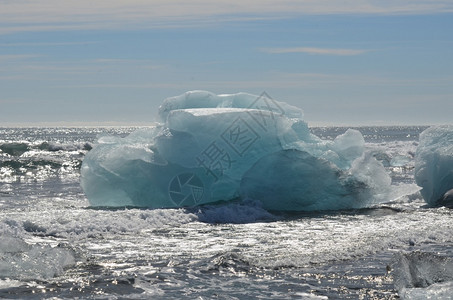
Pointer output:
x,y
54,245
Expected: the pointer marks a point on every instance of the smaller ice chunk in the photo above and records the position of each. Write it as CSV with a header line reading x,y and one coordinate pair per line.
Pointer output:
x,y
23,261
434,164
349,145
400,160
437,291
421,275
368,170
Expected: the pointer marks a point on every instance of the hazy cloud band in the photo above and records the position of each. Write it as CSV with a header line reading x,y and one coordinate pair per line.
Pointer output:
x,y
311,50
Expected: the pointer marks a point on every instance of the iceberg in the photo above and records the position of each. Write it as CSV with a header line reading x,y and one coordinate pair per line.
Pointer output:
x,y
209,148
434,165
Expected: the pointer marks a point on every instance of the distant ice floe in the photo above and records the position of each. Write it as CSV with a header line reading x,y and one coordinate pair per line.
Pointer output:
x,y
211,148
434,165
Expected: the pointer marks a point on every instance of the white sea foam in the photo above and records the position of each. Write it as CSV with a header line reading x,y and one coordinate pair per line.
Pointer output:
x,y
287,243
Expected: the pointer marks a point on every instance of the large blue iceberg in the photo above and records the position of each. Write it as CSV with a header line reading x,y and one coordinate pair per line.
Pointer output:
x,y
210,148
434,165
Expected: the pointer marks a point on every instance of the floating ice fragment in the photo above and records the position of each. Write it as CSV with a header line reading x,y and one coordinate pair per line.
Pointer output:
x,y
422,275
213,148
400,160
24,261
434,165
349,145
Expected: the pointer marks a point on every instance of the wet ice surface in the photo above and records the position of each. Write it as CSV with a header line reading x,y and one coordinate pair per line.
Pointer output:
x,y
228,251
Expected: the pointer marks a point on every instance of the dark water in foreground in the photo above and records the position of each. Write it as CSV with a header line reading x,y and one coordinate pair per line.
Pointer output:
x,y
52,244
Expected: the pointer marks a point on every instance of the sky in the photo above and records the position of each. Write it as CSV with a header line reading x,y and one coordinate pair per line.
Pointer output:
x,y
111,62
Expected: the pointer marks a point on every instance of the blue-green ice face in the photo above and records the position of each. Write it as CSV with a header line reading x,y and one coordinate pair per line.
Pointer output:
x,y
213,148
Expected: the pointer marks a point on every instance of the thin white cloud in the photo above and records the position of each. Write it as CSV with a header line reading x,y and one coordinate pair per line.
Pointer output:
x,y
277,80
41,15
121,61
16,57
47,44
311,50
24,67
12,101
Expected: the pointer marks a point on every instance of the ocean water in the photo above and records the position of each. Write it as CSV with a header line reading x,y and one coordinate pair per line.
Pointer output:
x,y
54,245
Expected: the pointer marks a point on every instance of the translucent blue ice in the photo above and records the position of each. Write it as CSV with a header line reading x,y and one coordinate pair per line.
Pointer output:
x,y
212,148
434,165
